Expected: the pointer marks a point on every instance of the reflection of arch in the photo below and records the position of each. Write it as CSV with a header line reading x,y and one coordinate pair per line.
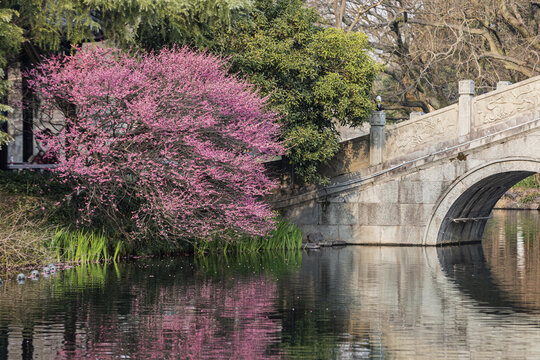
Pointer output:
x,y
473,276
473,196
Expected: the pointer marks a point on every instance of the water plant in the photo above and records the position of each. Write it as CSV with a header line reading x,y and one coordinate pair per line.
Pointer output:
x,y
285,236
82,246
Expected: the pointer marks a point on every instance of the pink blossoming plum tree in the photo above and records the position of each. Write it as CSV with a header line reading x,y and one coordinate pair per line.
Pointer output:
x,y
167,141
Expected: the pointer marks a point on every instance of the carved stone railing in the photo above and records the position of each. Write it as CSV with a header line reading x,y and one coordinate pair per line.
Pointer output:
x,y
503,104
424,134
420,134
470,118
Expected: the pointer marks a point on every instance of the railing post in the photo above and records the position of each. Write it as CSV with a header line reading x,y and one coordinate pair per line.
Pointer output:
x,y
376,137
466,93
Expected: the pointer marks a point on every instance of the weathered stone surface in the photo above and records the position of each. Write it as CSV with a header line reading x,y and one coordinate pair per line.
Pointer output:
x,y
328,232
307,214
325,243
411,192
353,234
341,214
315,237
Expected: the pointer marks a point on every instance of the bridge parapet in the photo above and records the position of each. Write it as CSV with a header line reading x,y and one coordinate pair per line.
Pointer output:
x,y
437,183
421,135
500,105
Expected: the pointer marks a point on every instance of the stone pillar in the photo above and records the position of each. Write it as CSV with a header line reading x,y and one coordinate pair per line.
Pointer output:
x,y
376,137
466,93
503,84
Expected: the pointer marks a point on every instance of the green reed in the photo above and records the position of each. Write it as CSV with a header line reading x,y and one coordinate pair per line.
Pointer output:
x,y
285,236
82,246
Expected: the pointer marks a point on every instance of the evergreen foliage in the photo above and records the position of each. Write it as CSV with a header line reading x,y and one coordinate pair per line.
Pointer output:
x,y
50,24
42,26
313,75
10,41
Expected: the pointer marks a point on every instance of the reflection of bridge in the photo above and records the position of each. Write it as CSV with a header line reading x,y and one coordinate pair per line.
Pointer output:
x,y
417,304
430,180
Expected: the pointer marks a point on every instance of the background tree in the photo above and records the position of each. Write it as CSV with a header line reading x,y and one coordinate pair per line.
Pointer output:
x,y
427,46
315,76
10,41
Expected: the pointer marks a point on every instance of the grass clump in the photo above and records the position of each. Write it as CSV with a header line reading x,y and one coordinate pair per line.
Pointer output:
x,y
24,231
531,182
285,236
82,246
527,199
32,183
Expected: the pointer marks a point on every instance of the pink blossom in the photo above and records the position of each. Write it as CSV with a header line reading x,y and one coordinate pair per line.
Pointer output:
x,y
170,134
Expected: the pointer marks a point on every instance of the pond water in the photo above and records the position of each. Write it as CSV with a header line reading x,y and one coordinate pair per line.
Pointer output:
x,y
478,301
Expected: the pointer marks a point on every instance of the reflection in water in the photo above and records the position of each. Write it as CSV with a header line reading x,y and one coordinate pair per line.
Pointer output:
x,y
477,301
515,263
151,310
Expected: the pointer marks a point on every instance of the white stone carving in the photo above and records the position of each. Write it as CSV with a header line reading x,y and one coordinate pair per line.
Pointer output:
x,y
421,133
502,105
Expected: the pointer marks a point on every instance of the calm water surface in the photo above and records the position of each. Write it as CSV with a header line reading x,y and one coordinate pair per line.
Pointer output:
x,y
472,302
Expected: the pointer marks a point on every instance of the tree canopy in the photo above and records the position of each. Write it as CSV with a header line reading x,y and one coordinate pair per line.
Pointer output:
x,y
314,76
10,41
48,23
55,25
428,46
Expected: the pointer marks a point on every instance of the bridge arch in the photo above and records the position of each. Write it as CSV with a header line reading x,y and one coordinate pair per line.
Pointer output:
x,y
461,212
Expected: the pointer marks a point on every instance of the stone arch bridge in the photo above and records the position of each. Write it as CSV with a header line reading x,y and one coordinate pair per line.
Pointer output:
x,y
431,180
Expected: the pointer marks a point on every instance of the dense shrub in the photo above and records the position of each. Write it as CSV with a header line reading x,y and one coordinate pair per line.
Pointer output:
x,y
166,142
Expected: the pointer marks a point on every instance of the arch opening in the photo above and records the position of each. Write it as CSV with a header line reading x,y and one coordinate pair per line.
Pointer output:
x,y
466,219
461,212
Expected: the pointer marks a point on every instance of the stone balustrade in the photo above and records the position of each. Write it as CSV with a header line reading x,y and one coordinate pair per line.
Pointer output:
x,y
423,134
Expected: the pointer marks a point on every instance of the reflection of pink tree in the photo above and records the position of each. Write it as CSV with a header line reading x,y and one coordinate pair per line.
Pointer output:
x,y
216,320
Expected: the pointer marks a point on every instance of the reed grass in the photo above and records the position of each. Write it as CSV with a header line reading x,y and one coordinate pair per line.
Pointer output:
x,y
285,236
82,246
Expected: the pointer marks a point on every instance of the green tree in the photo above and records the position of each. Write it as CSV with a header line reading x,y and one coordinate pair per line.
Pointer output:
x,y
194,22
10,41
315,76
